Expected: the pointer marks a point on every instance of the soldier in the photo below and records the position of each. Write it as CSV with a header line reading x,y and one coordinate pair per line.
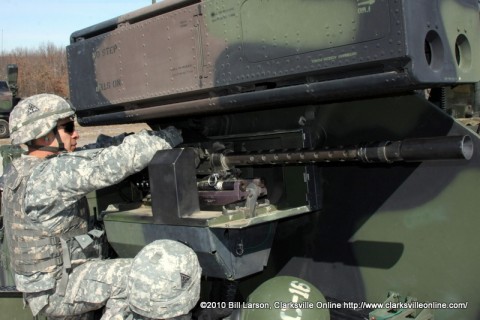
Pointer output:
x,y
54,257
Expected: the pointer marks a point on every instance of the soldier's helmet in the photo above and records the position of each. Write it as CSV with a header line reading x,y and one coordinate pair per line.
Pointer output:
x,y
284,297
164,280
36,116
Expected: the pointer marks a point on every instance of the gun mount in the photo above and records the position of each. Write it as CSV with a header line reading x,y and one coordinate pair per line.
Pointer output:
x,y
219,184
265,100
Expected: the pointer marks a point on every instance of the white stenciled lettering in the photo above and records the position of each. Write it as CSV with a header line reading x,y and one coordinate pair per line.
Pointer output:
x,y
365,6
102,86
292,310
102,52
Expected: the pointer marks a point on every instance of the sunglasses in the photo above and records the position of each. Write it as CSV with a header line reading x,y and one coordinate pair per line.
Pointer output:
x,y
68,127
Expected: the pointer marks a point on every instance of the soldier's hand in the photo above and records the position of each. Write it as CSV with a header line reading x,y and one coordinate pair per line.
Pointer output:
x,y
172,135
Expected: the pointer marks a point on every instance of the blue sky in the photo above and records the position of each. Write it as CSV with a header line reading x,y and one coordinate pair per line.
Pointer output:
x,y
31,23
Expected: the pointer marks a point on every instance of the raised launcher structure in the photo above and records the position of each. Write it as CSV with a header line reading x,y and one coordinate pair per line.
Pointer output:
x,y
256,85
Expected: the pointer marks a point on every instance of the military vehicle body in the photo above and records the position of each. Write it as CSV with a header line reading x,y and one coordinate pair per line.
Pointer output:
x,y
8,98
11,302
310,148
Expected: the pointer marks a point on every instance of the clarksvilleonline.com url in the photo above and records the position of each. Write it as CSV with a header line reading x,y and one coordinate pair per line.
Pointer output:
x,y
392,305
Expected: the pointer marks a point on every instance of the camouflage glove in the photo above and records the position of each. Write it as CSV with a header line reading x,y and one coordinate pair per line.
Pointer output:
x,y
172,135
104,141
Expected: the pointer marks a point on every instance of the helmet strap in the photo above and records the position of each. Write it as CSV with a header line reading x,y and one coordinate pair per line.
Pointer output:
x,y
60,148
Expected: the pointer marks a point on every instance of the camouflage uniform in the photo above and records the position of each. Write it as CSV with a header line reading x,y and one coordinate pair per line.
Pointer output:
x,y
55,261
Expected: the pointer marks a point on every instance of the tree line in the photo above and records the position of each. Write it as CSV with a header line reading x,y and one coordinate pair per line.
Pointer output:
x,y
41,70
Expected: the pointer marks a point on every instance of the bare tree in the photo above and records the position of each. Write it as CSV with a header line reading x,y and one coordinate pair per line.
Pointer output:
x,y
43,70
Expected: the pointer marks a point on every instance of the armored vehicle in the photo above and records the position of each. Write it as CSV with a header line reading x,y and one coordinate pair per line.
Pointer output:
x,y
312,147
8,98
10,299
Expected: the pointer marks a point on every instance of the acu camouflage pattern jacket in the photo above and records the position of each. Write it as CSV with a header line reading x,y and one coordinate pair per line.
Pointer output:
x,y
49,194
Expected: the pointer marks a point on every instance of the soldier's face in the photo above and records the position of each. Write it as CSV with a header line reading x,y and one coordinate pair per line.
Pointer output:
x,y
68,133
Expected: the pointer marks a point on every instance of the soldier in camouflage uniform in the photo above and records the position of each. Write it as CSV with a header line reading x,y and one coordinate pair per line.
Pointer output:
x,y
55,258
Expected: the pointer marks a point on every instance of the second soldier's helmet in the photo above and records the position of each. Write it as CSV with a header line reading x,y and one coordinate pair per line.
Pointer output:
x,y
284,297
164,280
36,116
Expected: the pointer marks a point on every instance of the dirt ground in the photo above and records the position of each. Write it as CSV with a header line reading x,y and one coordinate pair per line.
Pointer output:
x,y
89,134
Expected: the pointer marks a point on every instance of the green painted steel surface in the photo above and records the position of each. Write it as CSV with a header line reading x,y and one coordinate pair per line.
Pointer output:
x,y
11,306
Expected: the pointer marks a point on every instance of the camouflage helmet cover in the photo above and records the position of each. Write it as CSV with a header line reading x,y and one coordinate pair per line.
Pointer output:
x,y
164,280
36,116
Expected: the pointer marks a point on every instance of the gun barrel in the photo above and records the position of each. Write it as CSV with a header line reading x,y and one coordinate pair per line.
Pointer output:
x,y
418,149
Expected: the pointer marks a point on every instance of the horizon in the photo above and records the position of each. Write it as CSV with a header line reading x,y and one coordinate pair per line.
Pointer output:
x,y
42,23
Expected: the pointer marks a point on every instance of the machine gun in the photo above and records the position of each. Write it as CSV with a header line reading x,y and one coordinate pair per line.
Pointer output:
x,y
219,183
243,78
